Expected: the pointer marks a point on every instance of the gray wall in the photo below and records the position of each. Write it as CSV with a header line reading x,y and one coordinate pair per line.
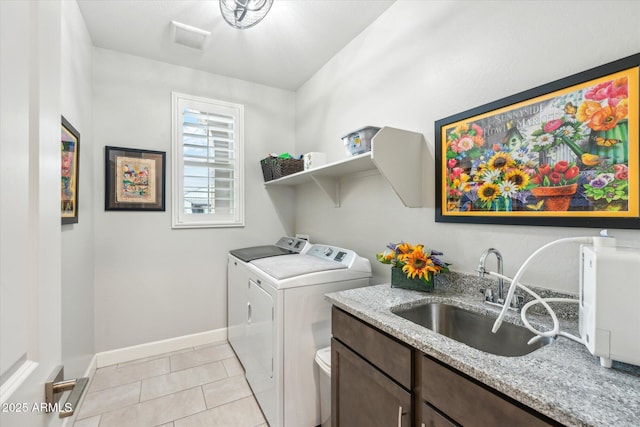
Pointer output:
x,y
78,326
152,282
423,61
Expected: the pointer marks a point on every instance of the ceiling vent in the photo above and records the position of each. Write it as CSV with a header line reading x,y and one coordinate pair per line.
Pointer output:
x,y
189,36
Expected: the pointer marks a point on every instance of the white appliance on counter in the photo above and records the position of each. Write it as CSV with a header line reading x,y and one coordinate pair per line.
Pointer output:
x,y
287,319
609,303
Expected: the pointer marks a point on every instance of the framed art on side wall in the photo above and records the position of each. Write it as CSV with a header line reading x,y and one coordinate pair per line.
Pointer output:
x,y
70,162
134,179
562,154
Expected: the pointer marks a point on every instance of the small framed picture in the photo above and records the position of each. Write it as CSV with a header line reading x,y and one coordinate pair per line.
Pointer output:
x,y
134,179
70,144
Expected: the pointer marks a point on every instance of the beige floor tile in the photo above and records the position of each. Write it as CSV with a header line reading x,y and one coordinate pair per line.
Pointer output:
x,y
157,411
201,356
226,391
181,380
167,425
88,422
113,376
241,413
233,366
109,399
158,356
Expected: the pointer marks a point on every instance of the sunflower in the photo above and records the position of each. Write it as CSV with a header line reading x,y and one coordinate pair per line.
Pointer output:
x,y
488,192
501,160
404,248
518,178
418,264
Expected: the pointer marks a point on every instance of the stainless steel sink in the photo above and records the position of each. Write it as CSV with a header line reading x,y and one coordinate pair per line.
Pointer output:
x,y
473,329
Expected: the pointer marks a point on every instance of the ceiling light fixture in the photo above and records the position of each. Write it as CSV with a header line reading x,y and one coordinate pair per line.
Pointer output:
x,y
243,14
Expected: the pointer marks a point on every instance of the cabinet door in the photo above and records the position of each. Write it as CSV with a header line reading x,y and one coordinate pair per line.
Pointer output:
x,y
429,417
362,395
470,403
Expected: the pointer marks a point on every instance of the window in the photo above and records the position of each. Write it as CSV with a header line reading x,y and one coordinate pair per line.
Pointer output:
x,y
207,162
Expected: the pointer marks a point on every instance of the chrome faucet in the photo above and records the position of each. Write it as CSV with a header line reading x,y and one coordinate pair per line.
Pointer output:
x,y
482,269
489,298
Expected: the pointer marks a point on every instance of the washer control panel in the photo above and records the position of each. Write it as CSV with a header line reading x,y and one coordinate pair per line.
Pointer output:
x,y
332,253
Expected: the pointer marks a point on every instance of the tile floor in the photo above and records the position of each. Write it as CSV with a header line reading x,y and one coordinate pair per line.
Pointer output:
x,y
202,386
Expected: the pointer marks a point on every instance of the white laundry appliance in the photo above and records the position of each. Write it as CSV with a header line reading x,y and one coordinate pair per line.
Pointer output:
x,y
287,319
238,285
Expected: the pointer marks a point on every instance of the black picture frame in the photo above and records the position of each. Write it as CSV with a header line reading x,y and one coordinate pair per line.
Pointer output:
x,y
580,133
134,179
70,172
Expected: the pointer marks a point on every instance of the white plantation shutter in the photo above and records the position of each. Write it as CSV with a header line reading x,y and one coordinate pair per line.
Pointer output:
x,y
207,153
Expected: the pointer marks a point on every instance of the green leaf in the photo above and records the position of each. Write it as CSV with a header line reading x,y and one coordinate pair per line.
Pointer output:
x,y
474,153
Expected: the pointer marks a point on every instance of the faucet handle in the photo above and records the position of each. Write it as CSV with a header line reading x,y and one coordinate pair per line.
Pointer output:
x,y
488,294
518,301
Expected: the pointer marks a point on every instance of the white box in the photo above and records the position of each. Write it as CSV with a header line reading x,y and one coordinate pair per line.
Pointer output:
x,y
314,159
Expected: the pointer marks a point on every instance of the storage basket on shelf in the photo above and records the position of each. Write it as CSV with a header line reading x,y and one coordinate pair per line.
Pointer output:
x,y
276,167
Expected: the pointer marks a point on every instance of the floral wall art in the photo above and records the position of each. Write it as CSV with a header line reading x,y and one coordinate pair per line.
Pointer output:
x,y
70,162
561,154
134,179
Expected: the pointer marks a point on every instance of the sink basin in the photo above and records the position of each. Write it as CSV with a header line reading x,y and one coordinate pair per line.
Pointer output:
x,y
473,329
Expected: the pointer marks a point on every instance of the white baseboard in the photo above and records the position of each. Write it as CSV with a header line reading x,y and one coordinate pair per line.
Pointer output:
x,y
155,348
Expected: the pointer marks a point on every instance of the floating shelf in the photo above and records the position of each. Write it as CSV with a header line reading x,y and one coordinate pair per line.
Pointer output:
x,y
396,153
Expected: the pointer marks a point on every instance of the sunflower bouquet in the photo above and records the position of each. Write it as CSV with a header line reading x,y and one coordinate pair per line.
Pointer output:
x,y
415,262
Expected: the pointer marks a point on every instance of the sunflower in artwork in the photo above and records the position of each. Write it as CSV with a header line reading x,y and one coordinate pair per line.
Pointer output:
x,y
519,178
488,192
501,160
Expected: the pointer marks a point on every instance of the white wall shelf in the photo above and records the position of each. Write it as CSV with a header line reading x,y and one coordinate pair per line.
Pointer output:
x,y
396,153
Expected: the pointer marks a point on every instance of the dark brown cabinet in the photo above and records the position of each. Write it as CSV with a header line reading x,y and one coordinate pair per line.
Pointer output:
x,y
377,380
461,400
371,376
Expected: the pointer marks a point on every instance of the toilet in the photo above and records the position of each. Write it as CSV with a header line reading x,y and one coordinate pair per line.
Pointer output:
x,y
323,360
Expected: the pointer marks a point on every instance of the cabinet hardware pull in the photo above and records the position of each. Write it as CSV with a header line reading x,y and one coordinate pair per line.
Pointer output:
x,y
249,312
400,413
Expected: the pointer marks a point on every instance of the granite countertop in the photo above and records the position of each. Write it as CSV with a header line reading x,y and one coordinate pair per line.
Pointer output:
x,y
561,380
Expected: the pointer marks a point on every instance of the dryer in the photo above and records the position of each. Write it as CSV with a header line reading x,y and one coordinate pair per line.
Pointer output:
x,y
288,320
238,285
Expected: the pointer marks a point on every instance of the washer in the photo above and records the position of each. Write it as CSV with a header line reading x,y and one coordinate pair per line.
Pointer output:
x,y
288,320
238,280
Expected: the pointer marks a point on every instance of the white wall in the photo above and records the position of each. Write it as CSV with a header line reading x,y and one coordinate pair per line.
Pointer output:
x,y
78,323
423,61
152,282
